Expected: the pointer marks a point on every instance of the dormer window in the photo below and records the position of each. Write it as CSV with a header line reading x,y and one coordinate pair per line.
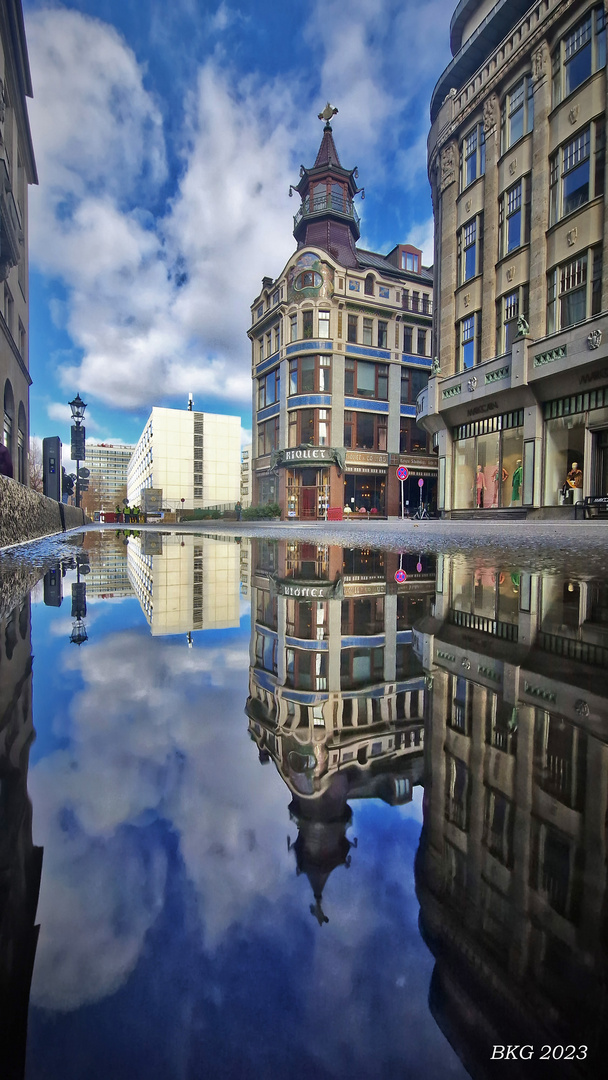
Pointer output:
x,y
409,261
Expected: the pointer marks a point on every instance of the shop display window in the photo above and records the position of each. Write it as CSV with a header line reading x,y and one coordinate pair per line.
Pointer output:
x,y
564,445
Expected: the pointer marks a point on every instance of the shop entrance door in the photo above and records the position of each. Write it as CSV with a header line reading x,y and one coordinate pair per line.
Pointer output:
x,y
308,502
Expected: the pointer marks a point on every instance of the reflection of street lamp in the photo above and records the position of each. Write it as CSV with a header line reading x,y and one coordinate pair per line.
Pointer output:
x,y
78,437
79,603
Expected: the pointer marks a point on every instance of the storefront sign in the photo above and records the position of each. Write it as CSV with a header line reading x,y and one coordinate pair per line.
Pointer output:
x,y
353,457
302,456
593,376
307,590
488,406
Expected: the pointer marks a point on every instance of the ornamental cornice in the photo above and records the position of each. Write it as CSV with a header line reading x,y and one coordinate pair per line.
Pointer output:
x,y
493,73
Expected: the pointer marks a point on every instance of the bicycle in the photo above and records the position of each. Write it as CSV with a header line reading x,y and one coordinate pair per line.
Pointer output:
x,y
420,514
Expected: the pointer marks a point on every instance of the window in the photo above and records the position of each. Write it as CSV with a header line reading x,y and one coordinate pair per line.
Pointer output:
x,y
352,327
410,261
365,379
572,293
412,382
514,217
421,343
517,113
412,439
307,328
310,375
277,337
508,310
572,179
468,342
369,285
579,54
470,242
364,431
268,436
361,666
269,389
368,327
324,324
308,426
407,339
293,327
382,333
472,156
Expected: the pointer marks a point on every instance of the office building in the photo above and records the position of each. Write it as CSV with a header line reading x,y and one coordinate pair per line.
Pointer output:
x,y
341,347
246,476
107,464
193,458
517,164
17,171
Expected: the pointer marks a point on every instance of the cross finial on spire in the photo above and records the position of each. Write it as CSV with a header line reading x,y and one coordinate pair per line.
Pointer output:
x,y
327,114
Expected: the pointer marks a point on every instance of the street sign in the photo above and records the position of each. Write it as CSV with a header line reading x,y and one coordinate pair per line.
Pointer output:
x,y
419,567
84,473
77,450
421,483
402,473
400,576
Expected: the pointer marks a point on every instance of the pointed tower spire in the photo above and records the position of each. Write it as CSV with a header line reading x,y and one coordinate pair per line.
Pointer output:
x,y
327,217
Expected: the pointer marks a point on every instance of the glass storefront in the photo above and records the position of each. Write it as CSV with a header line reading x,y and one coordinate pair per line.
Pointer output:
x,y
366,491
564,445
488,455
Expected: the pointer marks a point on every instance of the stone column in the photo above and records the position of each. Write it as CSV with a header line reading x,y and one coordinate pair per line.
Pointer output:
x,y
394,407
445,229
390,637
334,626
337,399
491,127
539,211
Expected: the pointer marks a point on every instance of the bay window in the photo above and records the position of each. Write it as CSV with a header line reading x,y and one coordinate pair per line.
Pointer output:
x,y
308,427
364,431
310,375
366,379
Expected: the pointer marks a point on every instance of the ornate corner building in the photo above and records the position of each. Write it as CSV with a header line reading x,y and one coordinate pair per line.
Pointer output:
x,y
17,170
516,157
341,348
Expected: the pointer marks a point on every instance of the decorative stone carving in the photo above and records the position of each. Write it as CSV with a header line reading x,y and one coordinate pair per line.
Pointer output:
x,y
539,63
594,339
510,273
465,663
513,166
582,708
523,327
472,384
468,204
573,114
572,236
467,299
428,682
435,366
490,114
448,165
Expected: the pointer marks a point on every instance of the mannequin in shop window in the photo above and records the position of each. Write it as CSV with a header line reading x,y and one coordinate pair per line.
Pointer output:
x,y
517,481
574,480
480,488
496,481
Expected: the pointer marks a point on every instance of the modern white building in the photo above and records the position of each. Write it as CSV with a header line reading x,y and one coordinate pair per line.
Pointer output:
x,y
193,457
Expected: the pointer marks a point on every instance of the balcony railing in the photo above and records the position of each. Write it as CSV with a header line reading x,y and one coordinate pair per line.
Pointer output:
x,y
417,305
320,204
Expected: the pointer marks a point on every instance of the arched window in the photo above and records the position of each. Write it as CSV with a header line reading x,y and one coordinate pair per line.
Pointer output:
x,y
369,285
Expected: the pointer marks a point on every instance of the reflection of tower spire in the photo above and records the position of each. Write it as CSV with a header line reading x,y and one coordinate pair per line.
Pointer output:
x,y
322,844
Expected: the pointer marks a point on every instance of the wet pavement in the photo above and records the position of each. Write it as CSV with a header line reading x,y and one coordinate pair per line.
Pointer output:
x,y
279,805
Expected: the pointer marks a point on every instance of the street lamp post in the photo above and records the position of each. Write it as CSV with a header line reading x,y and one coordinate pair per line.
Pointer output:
x,y
78,438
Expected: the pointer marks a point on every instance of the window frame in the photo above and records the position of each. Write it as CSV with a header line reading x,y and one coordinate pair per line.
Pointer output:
x,y
475,340
351,368
298,433
268,436
561,61
470,238
513,204
507,112
321,372
271,380
560,169
472,148
353,441
589,283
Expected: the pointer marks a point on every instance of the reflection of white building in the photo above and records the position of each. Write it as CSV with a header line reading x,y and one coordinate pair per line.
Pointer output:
x,y
185,583
108,577
194,458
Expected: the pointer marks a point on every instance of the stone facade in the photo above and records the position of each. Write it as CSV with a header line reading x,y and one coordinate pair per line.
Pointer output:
x,y
341,346
25,514
516,157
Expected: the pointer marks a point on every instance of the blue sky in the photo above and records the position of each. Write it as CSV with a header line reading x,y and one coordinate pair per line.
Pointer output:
x,y
166,137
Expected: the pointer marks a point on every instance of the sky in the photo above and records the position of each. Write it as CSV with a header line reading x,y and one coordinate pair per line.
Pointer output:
x,y
166,137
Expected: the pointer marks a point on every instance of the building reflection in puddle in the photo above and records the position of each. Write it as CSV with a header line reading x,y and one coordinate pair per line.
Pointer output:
x,y
511,870
20,860
337,694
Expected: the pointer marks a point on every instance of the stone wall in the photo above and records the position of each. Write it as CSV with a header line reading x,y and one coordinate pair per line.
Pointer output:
x,y
24,514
